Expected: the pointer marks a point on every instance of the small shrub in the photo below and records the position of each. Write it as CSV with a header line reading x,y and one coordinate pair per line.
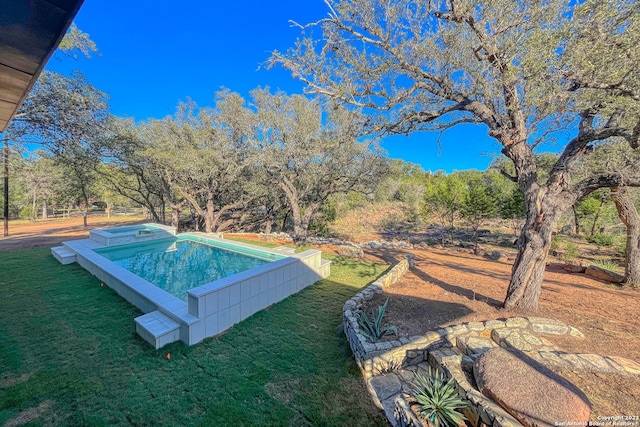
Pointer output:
x,y
27,213
602,239
570,251
372,328
438,399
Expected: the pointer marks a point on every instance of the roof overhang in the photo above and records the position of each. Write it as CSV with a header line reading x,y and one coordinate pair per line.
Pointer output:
x,y
30,31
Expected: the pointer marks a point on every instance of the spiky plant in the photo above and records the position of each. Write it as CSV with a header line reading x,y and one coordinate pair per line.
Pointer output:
x,y
438,399
372,328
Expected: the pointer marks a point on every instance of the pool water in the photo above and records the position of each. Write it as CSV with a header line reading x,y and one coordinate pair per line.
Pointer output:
x,y
127,229
182,263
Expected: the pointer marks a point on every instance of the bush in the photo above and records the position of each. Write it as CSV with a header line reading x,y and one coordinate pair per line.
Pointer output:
x,y
372,328
26,213
602,239
570,251
438,399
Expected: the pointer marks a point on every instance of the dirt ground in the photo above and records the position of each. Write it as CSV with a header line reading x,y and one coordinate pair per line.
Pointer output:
x,y
52,232
449,286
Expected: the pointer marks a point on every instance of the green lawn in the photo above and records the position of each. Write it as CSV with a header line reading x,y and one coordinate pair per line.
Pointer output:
x,y
69,351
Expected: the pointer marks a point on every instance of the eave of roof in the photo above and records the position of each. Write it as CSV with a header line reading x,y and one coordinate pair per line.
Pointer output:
x,y
30,31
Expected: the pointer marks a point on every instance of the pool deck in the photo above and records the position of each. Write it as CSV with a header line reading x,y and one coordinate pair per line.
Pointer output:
x,y
211,308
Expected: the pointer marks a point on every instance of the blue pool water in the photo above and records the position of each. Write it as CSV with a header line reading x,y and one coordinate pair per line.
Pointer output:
x,y
181,263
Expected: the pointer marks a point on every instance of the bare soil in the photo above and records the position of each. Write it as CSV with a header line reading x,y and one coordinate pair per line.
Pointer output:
x,y
49,233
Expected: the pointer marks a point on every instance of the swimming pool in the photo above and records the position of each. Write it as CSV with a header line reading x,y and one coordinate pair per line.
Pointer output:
x,y
206,305
181,263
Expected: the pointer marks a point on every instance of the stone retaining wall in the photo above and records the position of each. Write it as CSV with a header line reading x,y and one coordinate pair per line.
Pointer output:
x,y
362,349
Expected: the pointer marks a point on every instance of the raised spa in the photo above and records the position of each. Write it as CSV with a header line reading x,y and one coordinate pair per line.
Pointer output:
x,y
191,286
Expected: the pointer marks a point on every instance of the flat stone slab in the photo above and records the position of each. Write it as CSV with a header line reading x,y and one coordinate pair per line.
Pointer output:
x,y
474,345
530,392
385,386
549,326
520,340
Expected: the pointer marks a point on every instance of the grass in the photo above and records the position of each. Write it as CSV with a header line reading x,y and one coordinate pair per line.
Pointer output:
x,y
68,349
607,265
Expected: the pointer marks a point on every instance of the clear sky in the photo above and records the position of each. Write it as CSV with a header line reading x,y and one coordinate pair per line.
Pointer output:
x,y
157,53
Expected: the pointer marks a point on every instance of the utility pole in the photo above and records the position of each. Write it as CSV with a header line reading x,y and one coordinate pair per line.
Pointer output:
x,y
6,187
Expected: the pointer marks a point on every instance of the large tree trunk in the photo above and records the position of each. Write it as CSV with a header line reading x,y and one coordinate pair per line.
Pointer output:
x,y
299,232
545,204
597,218
85,211
175,215
629,216
208,215
576,220
528,269
34,213
299,226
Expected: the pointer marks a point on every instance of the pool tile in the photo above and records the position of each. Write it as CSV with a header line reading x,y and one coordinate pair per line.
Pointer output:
x,y
197,332
271,279
211,303
234,293
245,309
223,298
287,272
223,320
196,305
211,325
256,304
245,290
255,286
234,314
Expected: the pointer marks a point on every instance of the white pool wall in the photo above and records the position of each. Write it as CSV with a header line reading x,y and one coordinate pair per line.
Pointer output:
x,y
221,304
145,232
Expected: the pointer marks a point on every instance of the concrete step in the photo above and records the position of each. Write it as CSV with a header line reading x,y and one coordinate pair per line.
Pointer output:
x,y
157,329
64,255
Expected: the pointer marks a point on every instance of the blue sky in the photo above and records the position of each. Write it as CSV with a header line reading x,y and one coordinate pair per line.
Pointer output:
x,y
157,53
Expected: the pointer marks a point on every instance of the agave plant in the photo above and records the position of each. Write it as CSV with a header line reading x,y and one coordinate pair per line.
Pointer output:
x,y
438,399
372,328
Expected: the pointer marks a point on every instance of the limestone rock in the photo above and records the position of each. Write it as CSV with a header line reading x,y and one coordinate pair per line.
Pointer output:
x,y
602,274
567,229
529,391
350,251
474,345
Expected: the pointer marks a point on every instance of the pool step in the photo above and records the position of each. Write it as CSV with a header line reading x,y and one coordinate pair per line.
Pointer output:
x,y
64,255
325,268
157,329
